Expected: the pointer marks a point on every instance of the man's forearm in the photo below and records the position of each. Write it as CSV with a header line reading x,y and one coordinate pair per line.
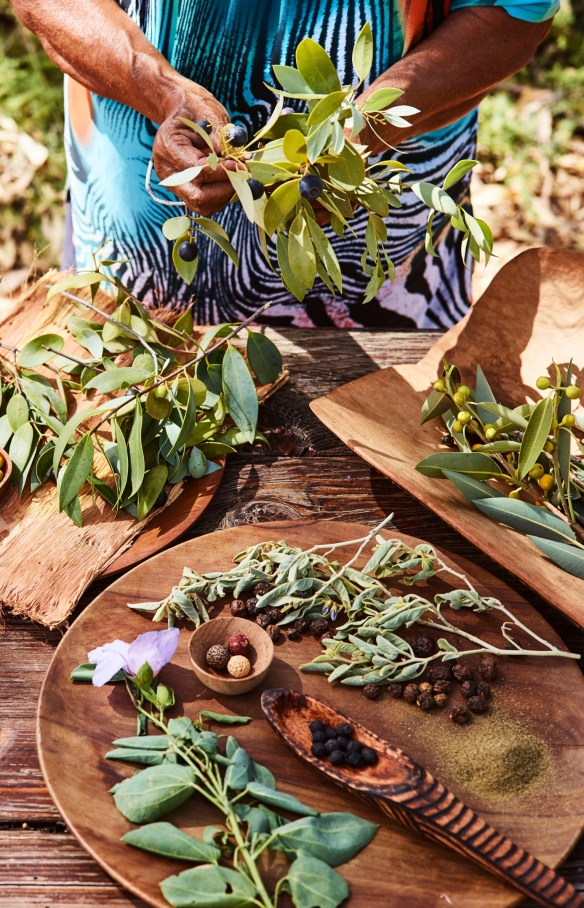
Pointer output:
x,y
99,45
447,74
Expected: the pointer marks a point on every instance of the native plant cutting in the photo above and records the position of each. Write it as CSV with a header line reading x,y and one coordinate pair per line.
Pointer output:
x,y
301,160
516,465
229,861
140,406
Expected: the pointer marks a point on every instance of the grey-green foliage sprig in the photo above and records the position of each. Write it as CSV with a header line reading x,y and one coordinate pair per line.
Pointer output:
x,y
185,401
186,759
530,450
293,146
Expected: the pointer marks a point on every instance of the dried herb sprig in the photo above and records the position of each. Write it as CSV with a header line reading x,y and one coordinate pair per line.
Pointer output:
x,y
184,759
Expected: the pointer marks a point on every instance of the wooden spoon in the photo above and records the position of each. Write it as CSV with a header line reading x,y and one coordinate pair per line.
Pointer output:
x,y
406,792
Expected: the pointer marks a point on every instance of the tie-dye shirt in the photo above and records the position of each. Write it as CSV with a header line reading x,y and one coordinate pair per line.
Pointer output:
x,y
229,47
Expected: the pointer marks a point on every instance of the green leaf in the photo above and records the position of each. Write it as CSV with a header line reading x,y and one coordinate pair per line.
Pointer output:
x,y
224,718
152,742
178,179
175,227
380,99
326,253
17,411
301,252
32,354
264,357
511,416
209,886
240,392
189,422
85,672
150,489
68,430
526,518
19,450
143,756
363,53
76,472
316,68
483,391
114,379
91,340
350,172
197,463
281,202
331,837
477,466
157,407
435,405
272,798
317,140
200,132
5,431
455,174
136,450
73,511
152,792
166,839
268,173
239,183
212,449
123,459
435,198
240,773
568,557
290,79
313,884
294,146
323,110
76,282
288,276
499,447
536,433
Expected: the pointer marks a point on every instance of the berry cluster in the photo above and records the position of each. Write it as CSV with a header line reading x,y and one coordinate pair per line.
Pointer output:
x,y
339,746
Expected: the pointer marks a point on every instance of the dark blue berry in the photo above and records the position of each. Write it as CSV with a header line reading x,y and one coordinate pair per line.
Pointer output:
x,y
342,743
204,124
318,736
353,745
337,758
188,251
161,500
257,189
236,136
369,756
345,729
330,732
315,725
331,744
354,758
318,750
310,187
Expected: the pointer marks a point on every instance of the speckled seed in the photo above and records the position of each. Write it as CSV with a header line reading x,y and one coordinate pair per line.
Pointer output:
x,y
274,632
238,667
424,686
217,656
442,687
411,692
440,699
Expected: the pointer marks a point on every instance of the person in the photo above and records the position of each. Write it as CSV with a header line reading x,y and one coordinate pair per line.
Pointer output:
x,y
134,67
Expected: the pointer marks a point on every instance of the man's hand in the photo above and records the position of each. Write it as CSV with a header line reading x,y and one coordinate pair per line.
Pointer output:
x,y
177,147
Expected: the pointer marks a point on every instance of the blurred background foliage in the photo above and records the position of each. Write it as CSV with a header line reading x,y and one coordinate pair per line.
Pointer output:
x,y
529,186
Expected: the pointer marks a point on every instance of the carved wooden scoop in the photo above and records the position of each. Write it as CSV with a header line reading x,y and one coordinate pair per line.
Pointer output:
x,y
406,792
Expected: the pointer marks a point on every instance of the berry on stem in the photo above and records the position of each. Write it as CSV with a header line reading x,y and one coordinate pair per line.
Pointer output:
x,y
256,188
440,385
188,251
237,136
543,383
569,420
573,392
310,187
204,124
546,482
457,426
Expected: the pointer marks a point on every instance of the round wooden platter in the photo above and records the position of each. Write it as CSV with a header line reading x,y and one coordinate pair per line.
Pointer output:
x,y
77,723
171,522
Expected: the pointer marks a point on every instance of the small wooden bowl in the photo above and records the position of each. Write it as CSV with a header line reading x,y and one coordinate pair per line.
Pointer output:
x,y
218,631
6,466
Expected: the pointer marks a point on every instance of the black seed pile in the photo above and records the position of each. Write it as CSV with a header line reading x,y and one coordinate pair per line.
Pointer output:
x,y
339,747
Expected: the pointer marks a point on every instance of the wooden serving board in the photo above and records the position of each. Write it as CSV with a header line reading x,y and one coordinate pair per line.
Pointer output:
x,y
532,313
544,698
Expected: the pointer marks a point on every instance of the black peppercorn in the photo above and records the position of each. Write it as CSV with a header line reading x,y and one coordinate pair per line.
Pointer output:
x,y
331,744
354,759
337,758
318,737
442,687
448,440
396,690
488,668
423,645
293,634
330,732
274,632
318,750
462,672
302,625
345,729
260,589
468,689
369,756
441,672
252,607
353,745
318,627
425,700
238,608
411,693
372,691
263,620
316,725
483,690
274,613
478,704
460,715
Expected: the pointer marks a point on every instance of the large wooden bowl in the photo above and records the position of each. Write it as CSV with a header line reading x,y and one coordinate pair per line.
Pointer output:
x,y
532,313
6,466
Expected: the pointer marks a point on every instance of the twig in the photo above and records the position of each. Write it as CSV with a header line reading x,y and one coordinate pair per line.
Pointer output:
x,y
14,351
74,359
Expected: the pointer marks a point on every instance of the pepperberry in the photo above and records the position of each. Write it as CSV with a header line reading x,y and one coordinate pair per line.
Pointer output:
x,y
274,613
302,625
515,493
463,389
256,188
337,758
488,668
546,482
372,691
238,608
441,672
460,715
396,690
458,399
236,136
252,607
318,737
354,759
483,690
478,704
310,186
205,125
161,500
543,383
425,700
573,392
462,672
331,744
440,699
260,589
330,732
263,620
316,725
342,742
442,687
424,686
464,416
411,693
318,750
188,251
548,446
369,756
345,729
536,471
491,433
468,689
423,645
318,627
354,745
274,632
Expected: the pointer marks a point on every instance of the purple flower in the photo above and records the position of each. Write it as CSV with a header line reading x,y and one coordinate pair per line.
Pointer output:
x,y
155,647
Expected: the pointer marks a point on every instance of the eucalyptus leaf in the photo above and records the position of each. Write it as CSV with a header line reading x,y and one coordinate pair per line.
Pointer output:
x,y
536,433
239,183
435,405
281,202
76,472
197,463
166,839
264,357
472,489
510,416
136,450
526,518
76,282
5,431
19,450
187,270
435,198
301,252
313,884
152,792
240,773
290,79
476,465
363,52
17,411
179,179
350,172
152,486
456,173
240,393
114,379
33,354
568,557
224,718
380,99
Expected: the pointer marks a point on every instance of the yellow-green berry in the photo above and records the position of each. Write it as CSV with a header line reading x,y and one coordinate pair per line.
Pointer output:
x,y
536,471
546,482
491,433
515,493
463,389
569,420
458,398
555,424
457,426
440,385
573,392
548,447
464,416
543,383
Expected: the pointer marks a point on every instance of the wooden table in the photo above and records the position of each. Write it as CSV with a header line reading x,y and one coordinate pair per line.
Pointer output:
x,y
308,473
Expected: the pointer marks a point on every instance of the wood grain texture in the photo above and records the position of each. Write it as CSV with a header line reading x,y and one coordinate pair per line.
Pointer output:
x,y
378,416
72,750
